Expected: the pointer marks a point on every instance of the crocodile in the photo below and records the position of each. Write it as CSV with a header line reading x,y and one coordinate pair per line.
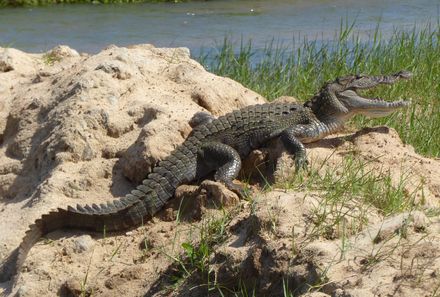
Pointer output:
x,y
217,146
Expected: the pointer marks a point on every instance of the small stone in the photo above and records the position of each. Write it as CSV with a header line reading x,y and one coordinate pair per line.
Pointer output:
x,y
62,51
219,194
71,287
83,243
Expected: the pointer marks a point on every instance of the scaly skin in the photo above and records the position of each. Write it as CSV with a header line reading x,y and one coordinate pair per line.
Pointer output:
x,y
218,145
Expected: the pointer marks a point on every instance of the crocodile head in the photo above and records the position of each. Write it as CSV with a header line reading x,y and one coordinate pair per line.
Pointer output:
x,y
339,100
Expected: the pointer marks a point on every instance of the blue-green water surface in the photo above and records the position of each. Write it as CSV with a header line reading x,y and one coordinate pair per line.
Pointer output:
x,y
89,28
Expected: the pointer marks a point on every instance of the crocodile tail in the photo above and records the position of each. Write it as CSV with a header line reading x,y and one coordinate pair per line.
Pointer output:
x,y
41,226
120,214
115,216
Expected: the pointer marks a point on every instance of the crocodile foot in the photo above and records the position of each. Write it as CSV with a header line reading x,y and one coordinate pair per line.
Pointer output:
x,y
237,189
301,163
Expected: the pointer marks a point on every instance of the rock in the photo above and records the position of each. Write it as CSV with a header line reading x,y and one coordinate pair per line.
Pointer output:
x,y
218,194
88,128
192,201
62,51
15,60
83,243
123,108
74,288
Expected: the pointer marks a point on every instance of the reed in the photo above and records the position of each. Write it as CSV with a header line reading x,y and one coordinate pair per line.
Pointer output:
x,y
299,69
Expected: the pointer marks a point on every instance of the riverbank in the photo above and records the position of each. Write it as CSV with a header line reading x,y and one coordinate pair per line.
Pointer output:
x,y
19,3
281,70
361,220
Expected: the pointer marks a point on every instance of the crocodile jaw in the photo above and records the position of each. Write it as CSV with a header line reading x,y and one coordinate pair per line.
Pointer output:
x,y
374,108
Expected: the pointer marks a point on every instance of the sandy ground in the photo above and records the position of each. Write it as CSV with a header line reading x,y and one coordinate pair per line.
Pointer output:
x,y
80,129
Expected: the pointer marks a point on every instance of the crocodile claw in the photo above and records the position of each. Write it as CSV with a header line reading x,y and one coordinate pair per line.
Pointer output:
x,y
301,163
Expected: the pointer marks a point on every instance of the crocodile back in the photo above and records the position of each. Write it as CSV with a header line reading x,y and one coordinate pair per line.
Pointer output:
x,y
252,126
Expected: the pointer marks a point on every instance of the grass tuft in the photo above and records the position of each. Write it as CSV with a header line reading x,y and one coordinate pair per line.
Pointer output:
x,y
350,194
300,70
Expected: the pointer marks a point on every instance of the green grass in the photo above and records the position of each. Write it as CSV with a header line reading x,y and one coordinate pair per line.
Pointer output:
x,y
349,194
300,71
193,263
350,197
50,59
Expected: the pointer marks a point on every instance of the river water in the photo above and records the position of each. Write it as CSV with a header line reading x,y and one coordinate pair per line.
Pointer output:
x,y
197,25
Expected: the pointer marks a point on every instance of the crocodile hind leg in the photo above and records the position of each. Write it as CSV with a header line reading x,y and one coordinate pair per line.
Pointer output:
x,y
225,161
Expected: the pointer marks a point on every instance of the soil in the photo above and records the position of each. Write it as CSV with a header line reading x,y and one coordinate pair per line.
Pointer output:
x,y
78,128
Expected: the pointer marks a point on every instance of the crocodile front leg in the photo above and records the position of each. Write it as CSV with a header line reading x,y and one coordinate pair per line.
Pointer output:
x,y
294,146
225,161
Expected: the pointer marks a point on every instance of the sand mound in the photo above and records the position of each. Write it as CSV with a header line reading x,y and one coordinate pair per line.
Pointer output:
x,y
80,129
332,242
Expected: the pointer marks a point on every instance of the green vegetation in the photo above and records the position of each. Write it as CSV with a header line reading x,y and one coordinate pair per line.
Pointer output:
x,y
193,263
280,70
349,194
50,58
4,3
348,198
